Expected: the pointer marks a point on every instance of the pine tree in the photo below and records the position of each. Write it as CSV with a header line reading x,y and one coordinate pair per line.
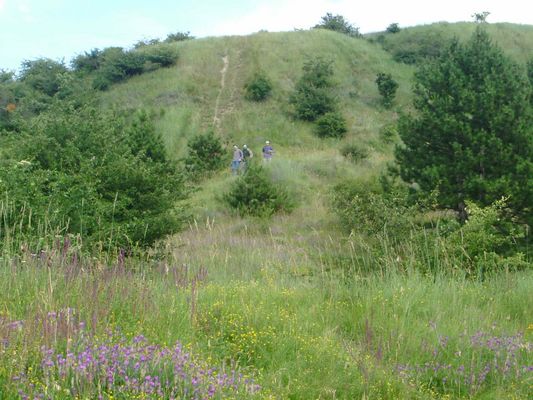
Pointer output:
x,y
472,135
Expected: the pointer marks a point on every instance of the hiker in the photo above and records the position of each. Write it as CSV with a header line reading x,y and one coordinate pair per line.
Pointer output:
x,y
268,151
246,156
237,158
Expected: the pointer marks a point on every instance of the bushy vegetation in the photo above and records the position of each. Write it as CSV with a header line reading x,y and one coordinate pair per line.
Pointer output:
x,y
331,124
90,173
313,96
205,155
42,75
415,49
114,64
389,133
387,87
258,87
339,24
355,152
178,37
364,207
255,193
393,28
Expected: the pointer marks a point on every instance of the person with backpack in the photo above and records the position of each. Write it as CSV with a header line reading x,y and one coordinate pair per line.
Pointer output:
x,y
246,156
268,151
236,161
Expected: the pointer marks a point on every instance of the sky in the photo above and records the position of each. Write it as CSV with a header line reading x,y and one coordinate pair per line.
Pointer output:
x,y
61,29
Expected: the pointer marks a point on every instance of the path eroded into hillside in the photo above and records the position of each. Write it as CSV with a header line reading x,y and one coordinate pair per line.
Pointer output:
x,y
223,71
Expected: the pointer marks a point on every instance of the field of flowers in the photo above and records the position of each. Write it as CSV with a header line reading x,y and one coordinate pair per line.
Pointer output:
x,y
124,328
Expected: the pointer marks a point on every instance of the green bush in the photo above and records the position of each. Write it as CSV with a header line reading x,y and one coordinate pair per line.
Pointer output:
x,y
339,24
159,56
331,124
178,37
355,152
256,194
363,207
388,134
414,49
205,155
487,241
87,172
387,87
115,65
393,28
258,87
42,75
313,95
87,62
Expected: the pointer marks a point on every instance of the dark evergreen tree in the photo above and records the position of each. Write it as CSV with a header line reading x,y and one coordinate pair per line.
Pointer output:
x,y
472,135
387,87
313,96
205,155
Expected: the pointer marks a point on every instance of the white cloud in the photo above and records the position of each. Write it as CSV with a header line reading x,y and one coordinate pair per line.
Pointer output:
x,y
25,11
132,26
369,16
273,16
2,5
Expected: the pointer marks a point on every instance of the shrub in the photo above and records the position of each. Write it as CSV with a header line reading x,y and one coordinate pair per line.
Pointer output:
x,y
87,62
258,87
313,96
117,65
90,179
256,194
339,24
42,75
417,48
331,124
355,152
365,208
146,43
387,88
487,240
160,56
205,154
388,134
393,28
178,37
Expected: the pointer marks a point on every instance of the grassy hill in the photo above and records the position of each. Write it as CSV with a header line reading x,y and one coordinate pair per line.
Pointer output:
x,y
307,310
190,91
194,92
515,40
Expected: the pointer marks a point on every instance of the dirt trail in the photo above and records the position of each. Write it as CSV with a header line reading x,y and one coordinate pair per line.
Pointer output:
x,y
223,71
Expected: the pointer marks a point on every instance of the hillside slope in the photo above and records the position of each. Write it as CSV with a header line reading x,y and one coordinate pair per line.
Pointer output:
x,y
515,40
204,91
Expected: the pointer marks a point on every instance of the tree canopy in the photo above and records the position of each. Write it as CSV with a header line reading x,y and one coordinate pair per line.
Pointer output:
x,y
472,135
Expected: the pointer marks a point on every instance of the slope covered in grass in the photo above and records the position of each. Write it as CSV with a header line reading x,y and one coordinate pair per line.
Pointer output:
x,y
515,40
189,92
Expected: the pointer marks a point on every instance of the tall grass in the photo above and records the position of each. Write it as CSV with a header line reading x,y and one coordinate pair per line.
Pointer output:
x,y
285,311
